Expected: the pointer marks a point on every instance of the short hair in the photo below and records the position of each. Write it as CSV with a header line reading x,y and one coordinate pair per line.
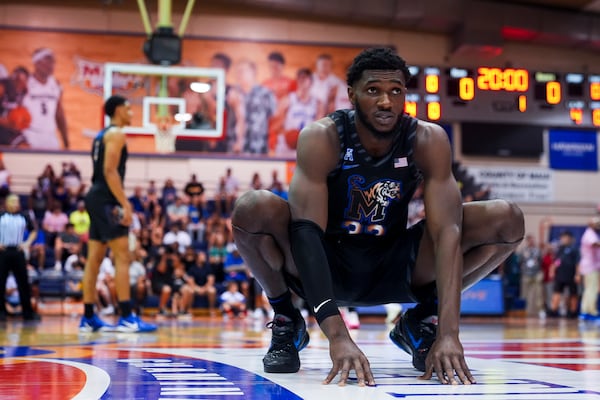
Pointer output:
x,y
376,58
276,56
304,72
111,104
224,58
567,233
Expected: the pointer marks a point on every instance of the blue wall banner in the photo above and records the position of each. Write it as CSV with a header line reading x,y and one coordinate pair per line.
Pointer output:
x,y
573,150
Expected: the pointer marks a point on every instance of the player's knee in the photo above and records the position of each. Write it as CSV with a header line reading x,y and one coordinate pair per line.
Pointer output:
x,y
512,228
256,210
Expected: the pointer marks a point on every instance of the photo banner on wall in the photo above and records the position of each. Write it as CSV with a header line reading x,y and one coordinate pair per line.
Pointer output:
x,y
273,90
573,150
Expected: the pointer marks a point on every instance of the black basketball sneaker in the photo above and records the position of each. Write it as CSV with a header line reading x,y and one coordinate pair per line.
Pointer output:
x,y
415,336
289,337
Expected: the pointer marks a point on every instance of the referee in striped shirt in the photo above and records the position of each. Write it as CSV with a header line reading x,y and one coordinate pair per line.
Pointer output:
x,y
13,224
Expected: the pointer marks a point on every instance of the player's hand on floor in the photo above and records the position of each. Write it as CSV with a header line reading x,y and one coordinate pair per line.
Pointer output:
x,y
447,360
346,356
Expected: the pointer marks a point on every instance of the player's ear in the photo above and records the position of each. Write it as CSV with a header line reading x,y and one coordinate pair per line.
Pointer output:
x,y
351,95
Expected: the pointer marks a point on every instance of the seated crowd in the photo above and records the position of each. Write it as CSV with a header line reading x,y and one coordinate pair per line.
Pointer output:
x,y
183,255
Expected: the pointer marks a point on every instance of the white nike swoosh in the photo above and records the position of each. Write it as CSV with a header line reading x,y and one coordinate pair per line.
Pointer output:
x,y
317,308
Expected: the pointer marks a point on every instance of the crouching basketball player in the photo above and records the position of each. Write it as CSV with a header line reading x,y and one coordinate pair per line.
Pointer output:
x,y
341,240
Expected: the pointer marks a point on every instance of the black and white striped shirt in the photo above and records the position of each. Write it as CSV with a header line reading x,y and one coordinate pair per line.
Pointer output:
x,y
13,227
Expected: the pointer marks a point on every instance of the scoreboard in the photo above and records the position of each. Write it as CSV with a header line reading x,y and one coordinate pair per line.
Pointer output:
x,y
504,95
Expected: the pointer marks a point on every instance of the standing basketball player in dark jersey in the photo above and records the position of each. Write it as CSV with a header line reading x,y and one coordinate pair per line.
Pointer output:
x,y
342,238
110,216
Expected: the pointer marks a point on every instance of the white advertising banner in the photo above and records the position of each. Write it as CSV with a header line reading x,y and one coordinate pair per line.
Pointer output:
x,y
515,183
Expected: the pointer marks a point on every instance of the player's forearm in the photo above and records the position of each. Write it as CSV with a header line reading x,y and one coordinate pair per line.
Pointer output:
x,y
113,180
311,261
449,272
334,328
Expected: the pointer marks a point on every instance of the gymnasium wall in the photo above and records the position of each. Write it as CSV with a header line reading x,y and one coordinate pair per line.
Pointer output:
x,y
117,35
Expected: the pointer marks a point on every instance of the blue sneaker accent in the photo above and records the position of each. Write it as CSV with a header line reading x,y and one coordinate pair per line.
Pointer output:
x,y
405,333
589,317
94,324
134,324
415,343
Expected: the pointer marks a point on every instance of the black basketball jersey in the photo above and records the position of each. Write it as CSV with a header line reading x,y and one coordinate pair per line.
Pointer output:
x,y
99,185
368,197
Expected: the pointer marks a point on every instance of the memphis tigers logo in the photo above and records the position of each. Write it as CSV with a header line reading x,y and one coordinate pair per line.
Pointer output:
x,y
368,205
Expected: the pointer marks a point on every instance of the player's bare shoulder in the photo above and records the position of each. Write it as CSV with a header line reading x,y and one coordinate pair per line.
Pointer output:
x,y
431,144
115,135
318,144
430,135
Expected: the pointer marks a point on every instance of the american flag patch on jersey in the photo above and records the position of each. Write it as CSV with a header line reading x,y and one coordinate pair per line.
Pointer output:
x,y
400,162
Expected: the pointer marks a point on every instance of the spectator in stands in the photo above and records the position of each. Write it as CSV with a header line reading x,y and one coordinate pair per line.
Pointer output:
x,y
178,212
532,277
217,224
53,223
80,219
564,275
61,194
38,202
157,218
183,294
196,226
177,238
546,264
13,249
169,192
73,260
138,279
105,286
47,180
145,240
589,268
217,251
161,278
236,269
194,188
139,202
71,177
67,243
233,303
256,183
74,280
202,280
274,180
227,193
279,190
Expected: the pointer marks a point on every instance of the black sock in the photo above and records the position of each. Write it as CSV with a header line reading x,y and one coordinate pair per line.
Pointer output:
x,y
125,307
88,310
283,305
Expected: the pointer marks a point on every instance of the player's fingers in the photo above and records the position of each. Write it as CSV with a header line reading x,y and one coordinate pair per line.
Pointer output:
x,y
449,372
369,379
467,372
439,371
360,373
428,373
345,373
332,373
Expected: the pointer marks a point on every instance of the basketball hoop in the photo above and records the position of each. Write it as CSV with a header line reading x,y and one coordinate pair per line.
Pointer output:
x,y
164,139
